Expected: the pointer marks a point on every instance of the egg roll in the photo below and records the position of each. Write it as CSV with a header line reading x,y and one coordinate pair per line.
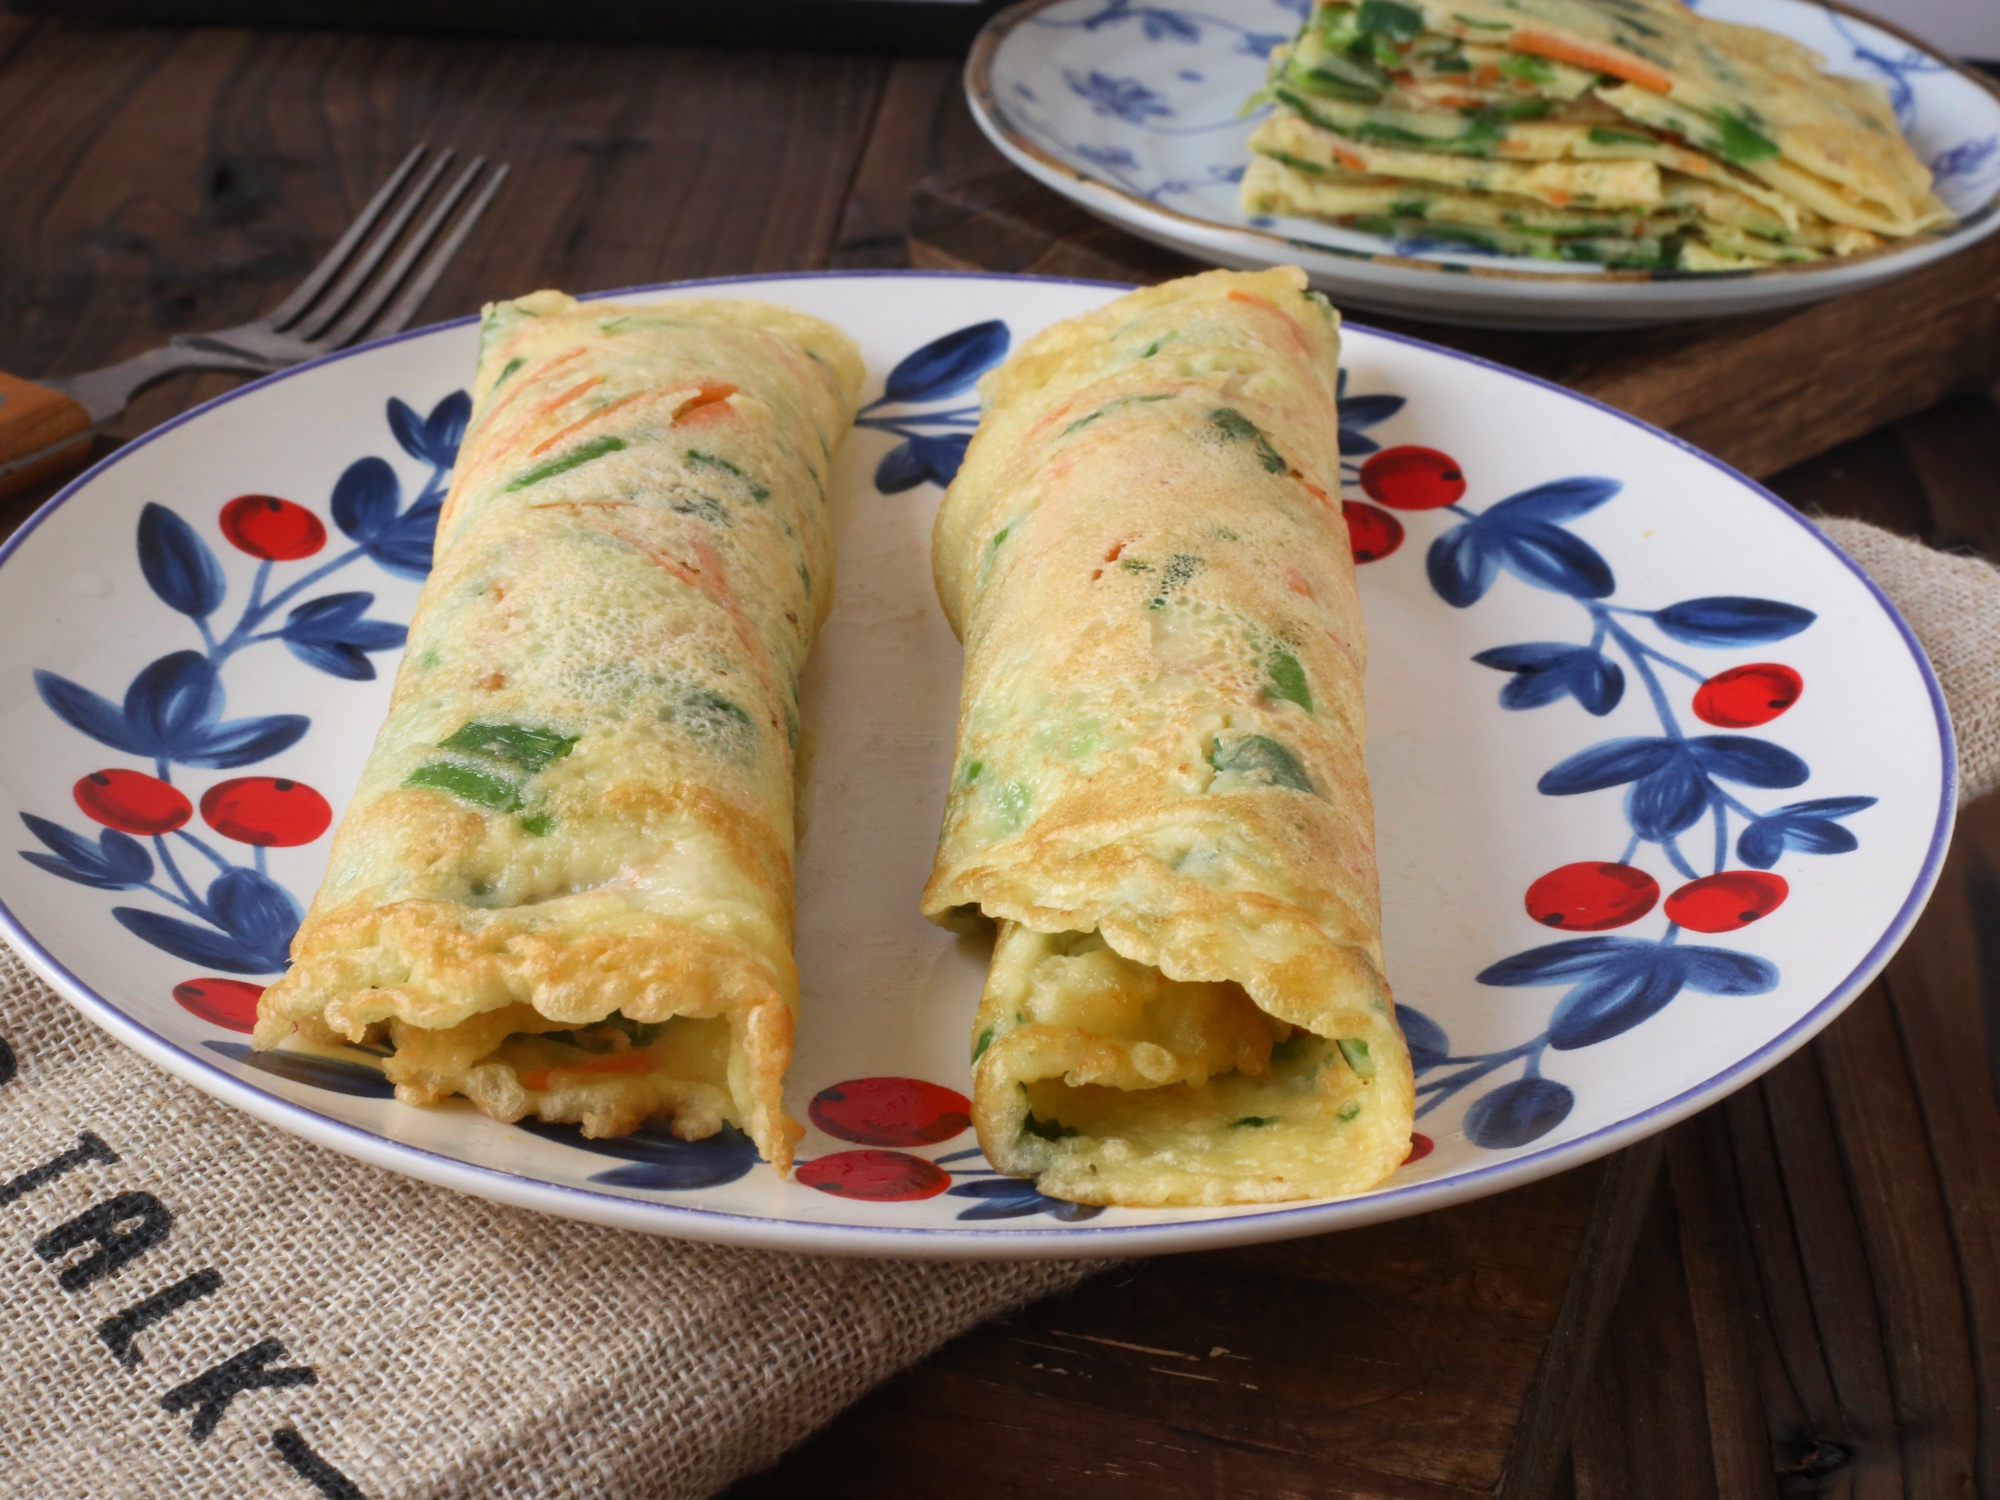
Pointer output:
x,y
563,888
1159,797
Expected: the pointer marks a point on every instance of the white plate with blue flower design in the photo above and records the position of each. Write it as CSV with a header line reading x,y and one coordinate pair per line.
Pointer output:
x,y
1615,690
1135,111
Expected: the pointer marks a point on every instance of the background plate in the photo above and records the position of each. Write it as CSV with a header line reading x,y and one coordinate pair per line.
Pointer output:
x,y
1605,571
1133,110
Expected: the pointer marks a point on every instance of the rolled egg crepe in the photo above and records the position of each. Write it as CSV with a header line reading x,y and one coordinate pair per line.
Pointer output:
x,y
564,886
1159,794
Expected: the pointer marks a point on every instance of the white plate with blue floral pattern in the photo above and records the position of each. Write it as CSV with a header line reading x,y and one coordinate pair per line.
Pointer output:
x,y
1615,689
1135,111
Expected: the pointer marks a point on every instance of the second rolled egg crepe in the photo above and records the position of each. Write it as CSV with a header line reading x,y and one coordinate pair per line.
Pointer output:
x,y
564,885
1159,793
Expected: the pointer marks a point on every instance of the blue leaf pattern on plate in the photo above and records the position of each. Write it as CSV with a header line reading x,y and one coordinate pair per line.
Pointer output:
x,y
178,564
1548,671
115,862
933,442
1124,99
1519,1112
358,1079
1730,620
1966,159
256,915
434,439
1750,762
367,505
1016,1198
1809,827
172,713
1357,415
948,365
919,460
1619,982
661,1161
1523,535
1426,1039
329,633
1122,166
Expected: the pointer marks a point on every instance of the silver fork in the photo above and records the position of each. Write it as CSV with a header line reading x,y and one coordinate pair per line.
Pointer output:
x,y
346,298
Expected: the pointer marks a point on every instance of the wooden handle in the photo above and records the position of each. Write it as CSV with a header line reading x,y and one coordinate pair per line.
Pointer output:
x,y
42,433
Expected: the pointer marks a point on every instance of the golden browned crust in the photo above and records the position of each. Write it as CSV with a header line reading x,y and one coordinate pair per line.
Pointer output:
x,y
436,964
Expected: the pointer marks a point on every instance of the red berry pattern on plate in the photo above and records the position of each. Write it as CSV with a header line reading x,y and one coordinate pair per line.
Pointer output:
x,y
1592,896
132,802
273,529
1725,902
1412,478
229,1003
266,810
1372,533
1744,697
877,1176
1676,786
172,712
890,1112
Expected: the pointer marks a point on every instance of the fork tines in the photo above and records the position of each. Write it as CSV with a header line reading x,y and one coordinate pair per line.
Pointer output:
x,y
374,278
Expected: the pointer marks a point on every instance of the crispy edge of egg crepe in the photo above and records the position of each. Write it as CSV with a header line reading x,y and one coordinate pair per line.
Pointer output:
x,y
1731,232
1479,221
1159,792
563,887
1613,184
1280,184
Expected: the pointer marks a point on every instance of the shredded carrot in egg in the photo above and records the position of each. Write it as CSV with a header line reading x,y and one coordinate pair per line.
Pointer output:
x,y
616,1062
1613,60
705,405
1312,489
566,397
577,426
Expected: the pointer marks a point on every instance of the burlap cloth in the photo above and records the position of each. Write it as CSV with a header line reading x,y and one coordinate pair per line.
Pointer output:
x,y
194,1304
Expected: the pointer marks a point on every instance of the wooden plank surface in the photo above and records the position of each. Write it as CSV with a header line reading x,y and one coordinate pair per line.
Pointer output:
x,y
1814,1306
1760,392
162,180
1567,1381
1388,1361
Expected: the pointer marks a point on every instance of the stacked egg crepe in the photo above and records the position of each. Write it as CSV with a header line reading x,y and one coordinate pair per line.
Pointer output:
x,y
1629,133
564,886
1160,795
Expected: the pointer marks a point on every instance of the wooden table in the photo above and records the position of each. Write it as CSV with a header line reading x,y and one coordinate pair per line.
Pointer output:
x,y
1813,1305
